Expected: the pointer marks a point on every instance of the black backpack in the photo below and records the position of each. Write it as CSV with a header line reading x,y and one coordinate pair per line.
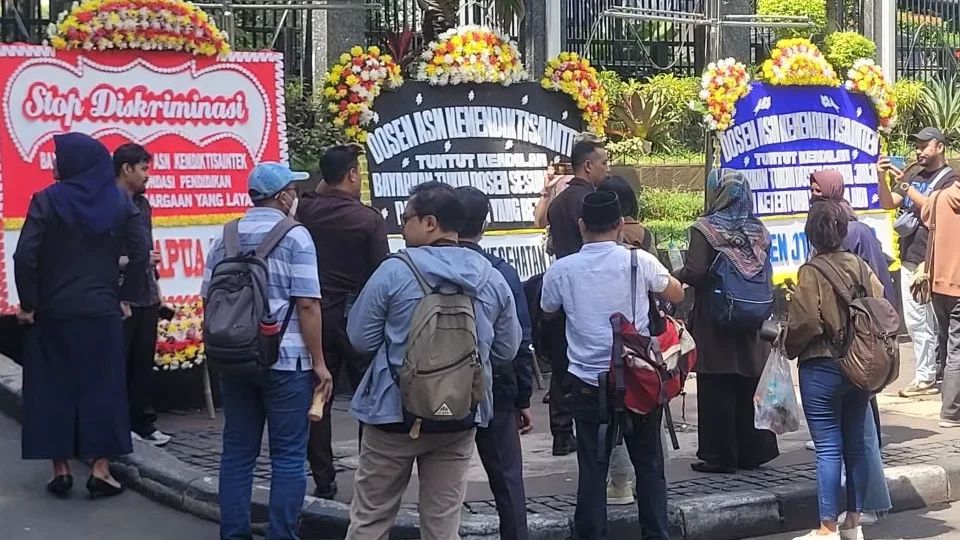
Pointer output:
x,y
237,304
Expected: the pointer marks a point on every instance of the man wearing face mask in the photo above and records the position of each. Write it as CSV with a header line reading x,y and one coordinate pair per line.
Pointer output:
x,y
340,224
282,397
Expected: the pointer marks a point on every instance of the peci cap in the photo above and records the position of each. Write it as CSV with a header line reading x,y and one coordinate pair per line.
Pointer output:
x,y
269,178
928,134
601,208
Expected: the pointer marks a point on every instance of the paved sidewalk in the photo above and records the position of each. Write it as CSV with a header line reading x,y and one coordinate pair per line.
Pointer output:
x,y
909,427
923,469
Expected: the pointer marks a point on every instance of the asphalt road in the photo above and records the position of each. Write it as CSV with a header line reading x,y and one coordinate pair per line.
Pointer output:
x,y
942,522
27,512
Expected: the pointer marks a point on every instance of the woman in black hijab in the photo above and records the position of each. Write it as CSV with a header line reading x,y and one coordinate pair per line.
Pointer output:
x,y
67,274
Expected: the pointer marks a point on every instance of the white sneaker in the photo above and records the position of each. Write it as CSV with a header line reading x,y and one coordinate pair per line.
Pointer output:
x,y
157,438
920,388
620,495
815,535
855,533
810,446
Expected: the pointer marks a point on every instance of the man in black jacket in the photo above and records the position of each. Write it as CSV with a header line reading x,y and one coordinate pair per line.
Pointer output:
x,y
351,243
499,443
131,163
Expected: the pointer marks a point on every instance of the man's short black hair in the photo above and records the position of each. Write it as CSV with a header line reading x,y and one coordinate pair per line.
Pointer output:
x,y
439,200
129,154
338,160
477,206
601,229
583,151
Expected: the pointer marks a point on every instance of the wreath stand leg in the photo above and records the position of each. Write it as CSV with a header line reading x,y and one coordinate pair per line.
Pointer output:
x,y
208,393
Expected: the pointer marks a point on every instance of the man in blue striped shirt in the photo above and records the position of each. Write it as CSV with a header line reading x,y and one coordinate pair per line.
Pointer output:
x,y
282,397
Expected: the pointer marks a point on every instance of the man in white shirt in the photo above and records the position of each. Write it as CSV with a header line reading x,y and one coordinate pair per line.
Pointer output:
x,y
590,286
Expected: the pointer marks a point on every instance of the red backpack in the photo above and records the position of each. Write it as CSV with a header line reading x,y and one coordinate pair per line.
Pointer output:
x,y
647,372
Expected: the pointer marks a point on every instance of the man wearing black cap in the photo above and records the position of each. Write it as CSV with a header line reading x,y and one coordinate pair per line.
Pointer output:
x,y
589,286
591,165
910,190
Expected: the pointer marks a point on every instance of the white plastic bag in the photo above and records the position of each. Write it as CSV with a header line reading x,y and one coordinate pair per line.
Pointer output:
x,y
775,402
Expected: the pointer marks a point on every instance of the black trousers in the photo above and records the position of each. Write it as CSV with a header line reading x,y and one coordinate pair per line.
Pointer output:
x,y
948,317
646,454
555,340
726,434
339,356
499,447
140,340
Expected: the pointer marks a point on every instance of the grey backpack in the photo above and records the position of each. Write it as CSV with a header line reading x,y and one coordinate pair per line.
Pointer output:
x,y
236,305
441,379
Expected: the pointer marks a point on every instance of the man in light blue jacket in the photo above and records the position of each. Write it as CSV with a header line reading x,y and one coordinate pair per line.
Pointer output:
x,y
379,322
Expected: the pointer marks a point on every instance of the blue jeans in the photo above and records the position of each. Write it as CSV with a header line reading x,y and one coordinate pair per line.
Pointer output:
x,y
836,413
282,400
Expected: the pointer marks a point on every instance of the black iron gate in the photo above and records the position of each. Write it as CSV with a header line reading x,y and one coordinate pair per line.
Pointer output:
x,y
633,48
397,16
26,21
289,31
928,38
849,15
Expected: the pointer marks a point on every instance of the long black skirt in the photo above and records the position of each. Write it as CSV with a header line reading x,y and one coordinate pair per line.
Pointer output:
x,y
74,390
726,435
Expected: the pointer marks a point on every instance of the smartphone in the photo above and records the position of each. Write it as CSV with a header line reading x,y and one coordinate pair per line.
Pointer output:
x,y
899,162
563,169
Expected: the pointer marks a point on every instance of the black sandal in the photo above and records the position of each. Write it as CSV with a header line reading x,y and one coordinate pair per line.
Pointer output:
x,y
704,467
61,485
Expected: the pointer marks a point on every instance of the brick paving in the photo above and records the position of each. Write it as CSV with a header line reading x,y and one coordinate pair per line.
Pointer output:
x,y
909,428
201,447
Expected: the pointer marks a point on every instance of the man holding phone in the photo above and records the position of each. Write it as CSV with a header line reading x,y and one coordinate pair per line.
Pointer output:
x,y
911,186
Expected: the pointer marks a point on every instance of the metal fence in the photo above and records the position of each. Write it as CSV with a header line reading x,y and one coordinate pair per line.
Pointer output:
x,y
928,38
27,20
397,16
284,30
289,31
849,16
634,48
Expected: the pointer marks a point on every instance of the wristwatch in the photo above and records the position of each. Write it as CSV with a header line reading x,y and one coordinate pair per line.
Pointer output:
x,y
902,188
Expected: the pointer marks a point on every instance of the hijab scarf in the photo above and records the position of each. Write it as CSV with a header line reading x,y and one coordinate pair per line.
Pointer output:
x,y
729,224
831,185
86,196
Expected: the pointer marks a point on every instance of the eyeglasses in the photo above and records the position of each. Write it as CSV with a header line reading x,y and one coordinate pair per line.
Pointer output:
x,y
404,218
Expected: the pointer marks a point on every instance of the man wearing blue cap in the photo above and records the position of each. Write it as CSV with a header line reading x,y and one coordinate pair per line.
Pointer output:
x,y
281,397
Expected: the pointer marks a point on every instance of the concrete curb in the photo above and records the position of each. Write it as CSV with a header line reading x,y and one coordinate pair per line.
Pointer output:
x,y
729,516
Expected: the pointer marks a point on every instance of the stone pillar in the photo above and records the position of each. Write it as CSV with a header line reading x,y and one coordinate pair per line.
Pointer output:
x,y
735,41
869,21
319,40
335,31
887,37
535,38
553,18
